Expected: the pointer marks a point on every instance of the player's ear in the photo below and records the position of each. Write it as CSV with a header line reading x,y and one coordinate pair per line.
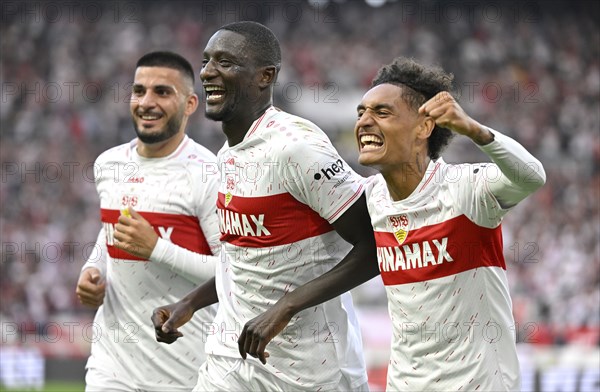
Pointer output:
x,y
425,128
191,104
267,76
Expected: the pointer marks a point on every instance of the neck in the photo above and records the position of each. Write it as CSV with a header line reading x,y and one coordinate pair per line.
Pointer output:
x,y
161,149
236,129
403,180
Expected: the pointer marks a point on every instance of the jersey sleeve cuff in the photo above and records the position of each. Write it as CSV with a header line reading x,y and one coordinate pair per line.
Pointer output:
x,y
159,251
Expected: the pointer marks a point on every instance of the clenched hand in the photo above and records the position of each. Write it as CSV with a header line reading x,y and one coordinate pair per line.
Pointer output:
x,y
135,235
91,287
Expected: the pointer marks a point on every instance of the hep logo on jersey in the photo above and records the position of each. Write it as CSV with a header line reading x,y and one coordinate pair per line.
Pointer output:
x,y
331,170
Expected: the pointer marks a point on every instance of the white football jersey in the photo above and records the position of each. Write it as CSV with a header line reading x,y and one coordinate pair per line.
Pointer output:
x,y
441,260
283,186
177,195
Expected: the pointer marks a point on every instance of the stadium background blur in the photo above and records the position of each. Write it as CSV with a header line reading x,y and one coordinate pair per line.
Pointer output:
x,y
530,69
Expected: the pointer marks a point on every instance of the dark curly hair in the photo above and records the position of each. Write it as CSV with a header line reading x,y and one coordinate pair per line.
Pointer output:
x,y
419,84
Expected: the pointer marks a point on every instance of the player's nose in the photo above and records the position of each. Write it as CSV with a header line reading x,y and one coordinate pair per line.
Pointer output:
x,y
364,120
147,100
208,70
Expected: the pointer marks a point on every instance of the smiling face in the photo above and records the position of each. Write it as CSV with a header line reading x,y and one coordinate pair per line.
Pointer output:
x,y
229,77
161,101
390,134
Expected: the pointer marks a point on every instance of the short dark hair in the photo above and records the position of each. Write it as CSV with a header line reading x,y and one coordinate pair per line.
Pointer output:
x,y
419,84
262,43
168,60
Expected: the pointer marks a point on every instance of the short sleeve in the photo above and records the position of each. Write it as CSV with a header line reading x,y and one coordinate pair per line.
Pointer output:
x,y
316,175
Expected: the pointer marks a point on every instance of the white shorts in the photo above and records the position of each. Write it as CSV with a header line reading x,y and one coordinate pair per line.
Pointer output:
x,y
100,380
225,374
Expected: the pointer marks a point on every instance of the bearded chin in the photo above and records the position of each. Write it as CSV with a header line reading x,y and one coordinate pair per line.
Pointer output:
x,y
170,130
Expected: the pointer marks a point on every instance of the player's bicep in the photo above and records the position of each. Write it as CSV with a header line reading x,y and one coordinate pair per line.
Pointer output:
x,y
354,225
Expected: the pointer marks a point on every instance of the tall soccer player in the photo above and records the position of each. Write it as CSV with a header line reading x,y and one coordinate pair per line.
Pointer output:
x,y
290,210
438,232
163,243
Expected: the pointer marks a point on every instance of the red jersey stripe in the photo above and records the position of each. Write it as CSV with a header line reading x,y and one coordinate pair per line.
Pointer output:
x,y
257,123
439,250
182,230
430,176
260,222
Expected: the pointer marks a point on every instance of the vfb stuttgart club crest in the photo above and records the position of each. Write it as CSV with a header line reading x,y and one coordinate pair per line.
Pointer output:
x,y
230,187
399,225
230,179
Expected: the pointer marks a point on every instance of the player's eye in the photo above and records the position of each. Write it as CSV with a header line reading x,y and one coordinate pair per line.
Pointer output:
x,y
162,92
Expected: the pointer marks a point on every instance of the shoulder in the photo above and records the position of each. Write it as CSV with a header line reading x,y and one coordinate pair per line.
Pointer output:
x,y
194,152
302,137
375,189
286,126
118,153
199,163
467,172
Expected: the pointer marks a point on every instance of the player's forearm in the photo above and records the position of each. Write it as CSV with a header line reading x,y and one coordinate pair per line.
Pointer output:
x,y
194,266
355,269
97,258
359,265
522,172
202,296
480,134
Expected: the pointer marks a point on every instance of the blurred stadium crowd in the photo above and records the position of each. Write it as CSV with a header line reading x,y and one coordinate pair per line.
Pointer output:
x,y
529,69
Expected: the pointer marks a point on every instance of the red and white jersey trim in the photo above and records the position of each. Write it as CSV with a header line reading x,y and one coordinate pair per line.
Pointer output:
x,y
439,250
267,221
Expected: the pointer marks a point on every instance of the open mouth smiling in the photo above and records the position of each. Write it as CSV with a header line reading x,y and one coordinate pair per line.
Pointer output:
x,y
370,143
214,93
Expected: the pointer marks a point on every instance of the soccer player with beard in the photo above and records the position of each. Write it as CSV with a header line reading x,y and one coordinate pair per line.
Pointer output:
x,y
161,246
295,232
